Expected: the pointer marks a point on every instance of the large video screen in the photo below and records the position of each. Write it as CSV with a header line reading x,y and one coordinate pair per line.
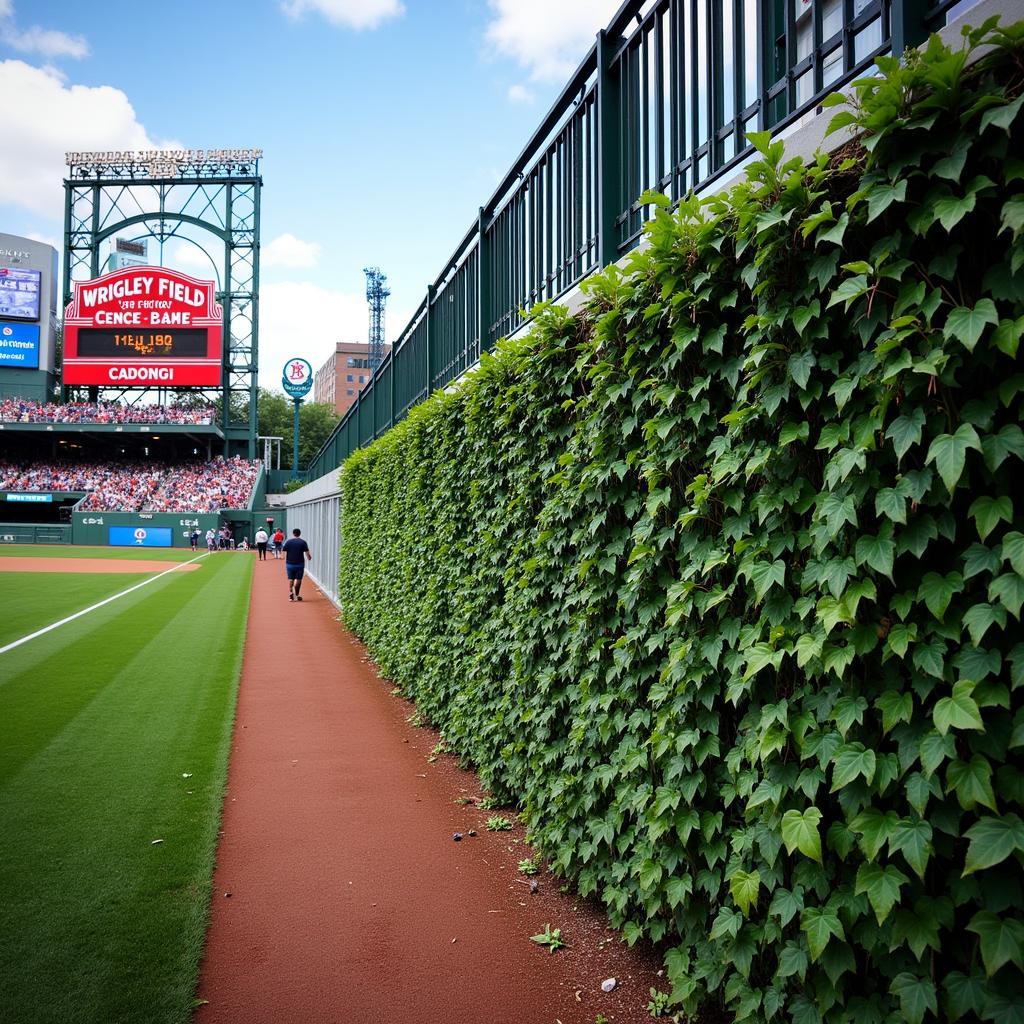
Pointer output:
x,y
19,293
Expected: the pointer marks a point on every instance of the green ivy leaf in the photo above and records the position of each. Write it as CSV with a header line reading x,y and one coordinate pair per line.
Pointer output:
x,y
1002,117
965,993
916,995
914,840
972,783
989,512
981,617
744,887
765,575
1013,551
992,841
967,324
958,711
891,504
949,453
874,828
878,552
937,591
1008,334
800,832
1008,589
1002,940
820,924
792,961
852,761
905,431
882,886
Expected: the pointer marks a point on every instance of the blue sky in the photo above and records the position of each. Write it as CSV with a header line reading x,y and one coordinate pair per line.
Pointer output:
x,y
384,125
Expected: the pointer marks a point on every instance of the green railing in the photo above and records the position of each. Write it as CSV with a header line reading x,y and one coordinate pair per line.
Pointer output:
x,y
663,100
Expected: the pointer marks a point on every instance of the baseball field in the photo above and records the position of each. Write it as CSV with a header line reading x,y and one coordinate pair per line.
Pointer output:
x,y
118,676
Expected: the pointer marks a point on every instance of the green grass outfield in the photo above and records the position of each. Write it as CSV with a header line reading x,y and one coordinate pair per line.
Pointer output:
x,y
100,721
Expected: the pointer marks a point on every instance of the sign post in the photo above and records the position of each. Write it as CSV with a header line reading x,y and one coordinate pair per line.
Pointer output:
x,y
297,379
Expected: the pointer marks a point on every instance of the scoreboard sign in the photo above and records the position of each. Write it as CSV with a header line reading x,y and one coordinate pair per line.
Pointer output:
x,y
143,327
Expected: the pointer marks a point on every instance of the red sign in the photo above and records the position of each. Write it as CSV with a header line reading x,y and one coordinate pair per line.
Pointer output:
x,y
143,327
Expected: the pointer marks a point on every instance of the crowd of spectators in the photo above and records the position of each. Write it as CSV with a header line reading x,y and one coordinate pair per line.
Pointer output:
x,y
24,410
140,486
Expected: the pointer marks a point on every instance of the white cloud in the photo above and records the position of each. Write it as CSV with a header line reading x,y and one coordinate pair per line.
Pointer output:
x,y
50,118
288,251
45,41
548,39
357,14
520,94
191,259
299,318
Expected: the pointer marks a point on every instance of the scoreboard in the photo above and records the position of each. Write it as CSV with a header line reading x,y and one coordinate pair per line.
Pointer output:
x,y
143,326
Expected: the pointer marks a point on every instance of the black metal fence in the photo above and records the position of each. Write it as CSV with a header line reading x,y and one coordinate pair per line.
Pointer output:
x,y
663,100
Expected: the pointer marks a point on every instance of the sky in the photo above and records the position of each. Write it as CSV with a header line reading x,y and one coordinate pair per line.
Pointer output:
x,y
385,125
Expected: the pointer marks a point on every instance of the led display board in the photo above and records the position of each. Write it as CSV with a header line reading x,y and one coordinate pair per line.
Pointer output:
x,y
143,326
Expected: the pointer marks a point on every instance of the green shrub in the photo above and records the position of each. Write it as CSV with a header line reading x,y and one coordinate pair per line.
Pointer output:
x,y
722,579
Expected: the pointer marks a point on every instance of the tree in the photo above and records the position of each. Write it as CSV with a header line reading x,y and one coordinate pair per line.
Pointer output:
x,y
316,421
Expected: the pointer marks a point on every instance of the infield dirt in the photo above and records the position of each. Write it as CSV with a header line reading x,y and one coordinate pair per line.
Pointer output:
x,y
103,565
339,893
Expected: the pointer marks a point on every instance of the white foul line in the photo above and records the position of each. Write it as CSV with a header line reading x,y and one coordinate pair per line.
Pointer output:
x,y
92,608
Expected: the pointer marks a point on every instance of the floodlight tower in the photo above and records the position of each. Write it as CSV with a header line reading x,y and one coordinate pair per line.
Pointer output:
x,y
376,293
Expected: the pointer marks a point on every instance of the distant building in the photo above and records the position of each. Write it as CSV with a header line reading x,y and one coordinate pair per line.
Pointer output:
x,y
344,375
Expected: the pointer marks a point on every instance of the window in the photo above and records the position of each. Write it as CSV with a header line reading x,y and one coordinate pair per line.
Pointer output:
x,y
350,361
362,379
348,377
349,392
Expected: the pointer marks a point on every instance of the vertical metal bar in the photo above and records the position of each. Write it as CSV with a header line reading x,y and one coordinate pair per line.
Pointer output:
x,y
608,160
428,341
907,24
254,335
225,362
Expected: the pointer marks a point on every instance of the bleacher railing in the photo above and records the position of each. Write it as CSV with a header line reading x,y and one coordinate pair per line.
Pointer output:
x,y
663,100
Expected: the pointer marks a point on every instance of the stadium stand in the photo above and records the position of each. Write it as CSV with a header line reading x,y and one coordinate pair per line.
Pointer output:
x,y
21,410
140,486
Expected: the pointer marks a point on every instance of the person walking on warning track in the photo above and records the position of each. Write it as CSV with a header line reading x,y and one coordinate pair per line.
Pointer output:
x,y
262,537
278,541
296,554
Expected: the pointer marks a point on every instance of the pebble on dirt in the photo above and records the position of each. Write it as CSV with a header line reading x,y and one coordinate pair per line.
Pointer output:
x,y
457,837
608,984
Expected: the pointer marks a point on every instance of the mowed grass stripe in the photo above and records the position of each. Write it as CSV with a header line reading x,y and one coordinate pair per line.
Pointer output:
x,y
76,551
33,600
96,923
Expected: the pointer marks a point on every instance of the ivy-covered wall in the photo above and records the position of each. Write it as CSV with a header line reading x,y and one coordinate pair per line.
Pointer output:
x,y
722,579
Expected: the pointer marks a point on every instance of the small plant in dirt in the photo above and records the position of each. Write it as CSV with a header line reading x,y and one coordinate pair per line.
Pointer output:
x,y
550,937
416,720
463,800
489,803
498,823
600,1019
528,866
658,1006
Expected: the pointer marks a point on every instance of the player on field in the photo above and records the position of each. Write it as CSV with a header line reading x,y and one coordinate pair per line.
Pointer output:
x,y
262,538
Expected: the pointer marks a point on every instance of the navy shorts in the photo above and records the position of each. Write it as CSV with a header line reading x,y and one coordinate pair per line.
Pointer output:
x,y
294,572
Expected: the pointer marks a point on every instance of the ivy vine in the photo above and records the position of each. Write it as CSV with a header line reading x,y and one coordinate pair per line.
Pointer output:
x,y
722,578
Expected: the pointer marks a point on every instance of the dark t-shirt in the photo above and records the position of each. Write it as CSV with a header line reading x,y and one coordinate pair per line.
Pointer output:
x,y
295,549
